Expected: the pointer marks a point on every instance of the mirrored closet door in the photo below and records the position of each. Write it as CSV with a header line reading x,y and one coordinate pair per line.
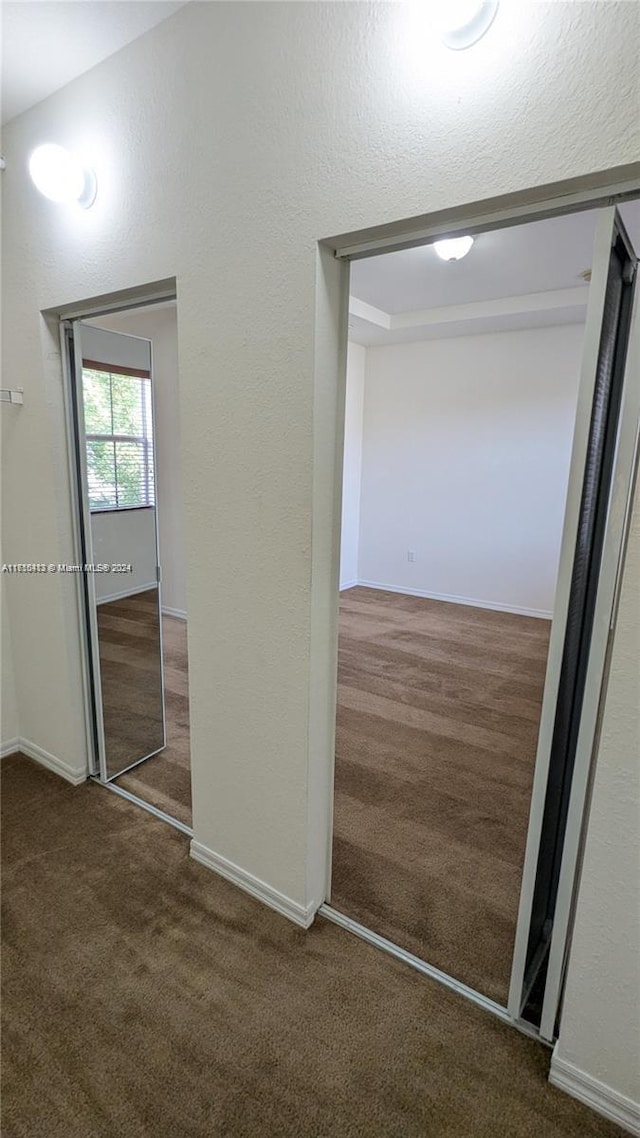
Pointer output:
x,y
115,454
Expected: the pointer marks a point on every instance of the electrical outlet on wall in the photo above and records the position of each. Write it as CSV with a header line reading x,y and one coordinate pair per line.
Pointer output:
x,y
411,555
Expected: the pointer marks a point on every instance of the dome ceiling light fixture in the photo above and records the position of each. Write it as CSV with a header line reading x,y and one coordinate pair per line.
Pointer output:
x,y
60,176
453,248
461,23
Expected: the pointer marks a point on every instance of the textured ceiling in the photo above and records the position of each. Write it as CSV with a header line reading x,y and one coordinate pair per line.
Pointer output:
x,y
46,45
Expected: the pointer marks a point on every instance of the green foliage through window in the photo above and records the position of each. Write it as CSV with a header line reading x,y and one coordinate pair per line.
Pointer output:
x,y
119,439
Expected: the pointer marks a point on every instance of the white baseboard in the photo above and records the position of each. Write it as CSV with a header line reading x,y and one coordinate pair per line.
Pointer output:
x,y
600,1097
451,598
58,766
180,614
126,593
9,747
349,585
253,885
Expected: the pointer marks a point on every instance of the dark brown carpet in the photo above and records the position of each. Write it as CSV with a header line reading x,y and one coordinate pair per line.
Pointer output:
x,y
438,714
144,996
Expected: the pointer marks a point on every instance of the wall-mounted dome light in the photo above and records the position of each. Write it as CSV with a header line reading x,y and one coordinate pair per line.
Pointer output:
x,y
453,248
462,23
61,177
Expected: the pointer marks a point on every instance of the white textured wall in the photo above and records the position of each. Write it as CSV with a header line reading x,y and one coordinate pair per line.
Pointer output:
x,y
465,462
227,142
600,1029
160,325
352,465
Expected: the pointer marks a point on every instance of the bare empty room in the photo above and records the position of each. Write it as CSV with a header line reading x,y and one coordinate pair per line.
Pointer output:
x,y
463,372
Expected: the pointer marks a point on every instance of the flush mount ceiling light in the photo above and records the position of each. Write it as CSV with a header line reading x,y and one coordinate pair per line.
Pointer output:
x,y
462,23
453,248
61,177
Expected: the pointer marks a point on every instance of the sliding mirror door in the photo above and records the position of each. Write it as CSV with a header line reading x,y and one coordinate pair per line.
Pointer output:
x,y
605,433
113,391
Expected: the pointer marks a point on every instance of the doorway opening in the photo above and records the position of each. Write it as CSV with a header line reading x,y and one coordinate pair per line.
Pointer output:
x,y
484,404
123,378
